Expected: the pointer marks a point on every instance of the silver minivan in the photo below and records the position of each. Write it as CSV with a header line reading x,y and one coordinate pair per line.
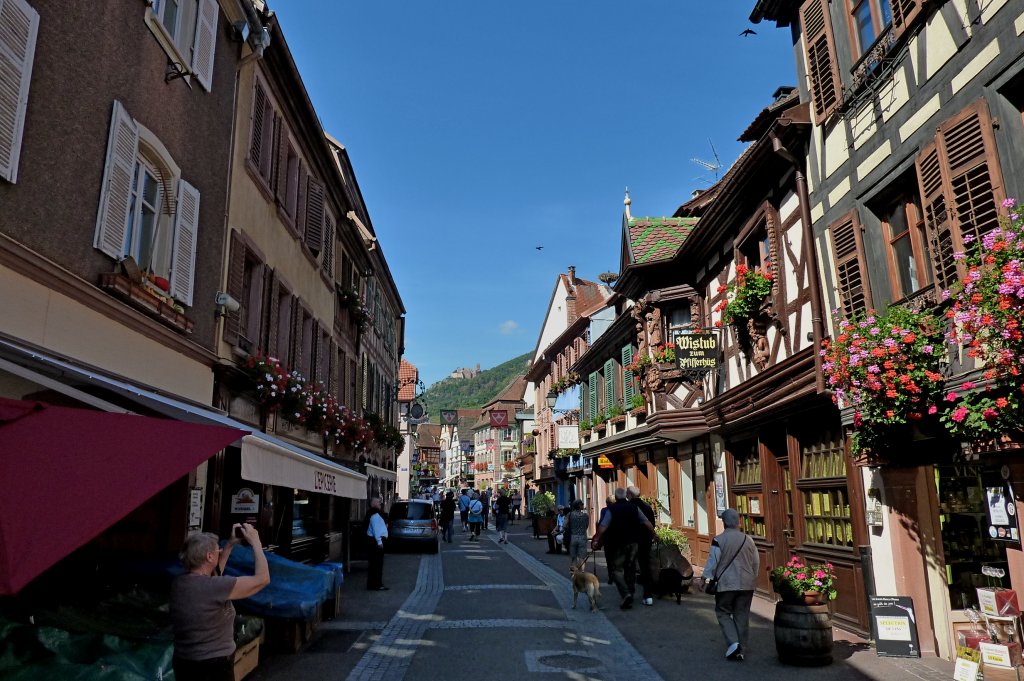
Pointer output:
x,y
413,522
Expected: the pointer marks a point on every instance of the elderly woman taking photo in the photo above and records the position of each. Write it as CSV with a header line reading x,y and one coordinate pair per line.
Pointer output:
x,y
201,609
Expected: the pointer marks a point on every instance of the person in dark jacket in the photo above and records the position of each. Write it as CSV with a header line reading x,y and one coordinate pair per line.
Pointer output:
x,y
643,546
447,516
622,527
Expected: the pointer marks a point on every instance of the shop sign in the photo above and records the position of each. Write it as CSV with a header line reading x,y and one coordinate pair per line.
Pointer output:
x,y
967,662
466,445
895,626
1002,514
195,508
697,352
720,504
449,417
245,501
604,462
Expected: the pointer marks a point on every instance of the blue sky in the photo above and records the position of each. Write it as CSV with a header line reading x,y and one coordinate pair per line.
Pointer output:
x,y
482,129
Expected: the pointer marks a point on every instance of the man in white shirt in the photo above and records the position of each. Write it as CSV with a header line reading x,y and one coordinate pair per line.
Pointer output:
x,y
377,531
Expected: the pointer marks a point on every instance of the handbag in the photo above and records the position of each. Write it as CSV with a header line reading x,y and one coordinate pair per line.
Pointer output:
x,y
711,586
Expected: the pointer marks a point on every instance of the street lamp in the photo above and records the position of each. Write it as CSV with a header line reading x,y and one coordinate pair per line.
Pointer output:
x,y
552,398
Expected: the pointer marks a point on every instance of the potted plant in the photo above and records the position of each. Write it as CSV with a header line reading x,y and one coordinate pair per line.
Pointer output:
x,y
585,426
639,363
637,405
599,423
744,295
616,414
803,622
543,510
665,354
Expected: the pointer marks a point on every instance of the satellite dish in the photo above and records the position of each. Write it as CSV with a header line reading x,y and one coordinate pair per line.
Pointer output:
x,y
416,410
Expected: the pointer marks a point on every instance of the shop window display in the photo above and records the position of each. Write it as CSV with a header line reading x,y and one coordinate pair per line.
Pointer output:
x,y
823,490
965,536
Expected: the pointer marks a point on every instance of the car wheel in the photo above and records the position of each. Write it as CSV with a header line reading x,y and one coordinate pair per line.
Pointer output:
x,y
434,547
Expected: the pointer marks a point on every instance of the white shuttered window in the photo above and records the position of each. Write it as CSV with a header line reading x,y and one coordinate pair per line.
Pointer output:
x,y
19,24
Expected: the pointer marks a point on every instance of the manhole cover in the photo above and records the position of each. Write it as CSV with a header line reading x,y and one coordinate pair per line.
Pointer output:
x,y
569,661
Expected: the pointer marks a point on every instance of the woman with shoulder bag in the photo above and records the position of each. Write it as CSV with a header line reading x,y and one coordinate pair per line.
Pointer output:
x,y
730,574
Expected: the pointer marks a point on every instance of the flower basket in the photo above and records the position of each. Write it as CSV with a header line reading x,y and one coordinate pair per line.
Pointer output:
x,y
744,296
800,583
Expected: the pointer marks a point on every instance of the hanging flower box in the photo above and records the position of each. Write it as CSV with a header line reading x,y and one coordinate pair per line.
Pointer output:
x,y
142,298
600,427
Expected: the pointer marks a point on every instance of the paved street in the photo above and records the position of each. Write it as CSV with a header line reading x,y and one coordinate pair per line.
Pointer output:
x,y
506,611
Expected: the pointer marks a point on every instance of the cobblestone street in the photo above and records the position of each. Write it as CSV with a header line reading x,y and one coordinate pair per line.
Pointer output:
x,y
507,610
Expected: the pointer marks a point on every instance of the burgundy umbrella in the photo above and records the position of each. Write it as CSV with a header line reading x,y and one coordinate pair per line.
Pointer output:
x,y
68,474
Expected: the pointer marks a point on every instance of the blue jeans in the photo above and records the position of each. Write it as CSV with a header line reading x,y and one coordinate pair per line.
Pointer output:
x,y
446,530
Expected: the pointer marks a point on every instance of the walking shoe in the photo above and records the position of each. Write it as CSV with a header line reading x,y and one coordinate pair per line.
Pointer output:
x,y
734,652
648,601
627,603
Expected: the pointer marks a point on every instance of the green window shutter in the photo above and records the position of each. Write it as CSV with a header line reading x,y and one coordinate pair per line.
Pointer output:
x,y
609,384
592,396
627,376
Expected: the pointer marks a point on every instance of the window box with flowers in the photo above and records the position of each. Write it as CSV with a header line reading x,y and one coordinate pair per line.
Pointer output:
x,y
585,428
639,364
887,368
598,425
987,322
745,296
637,405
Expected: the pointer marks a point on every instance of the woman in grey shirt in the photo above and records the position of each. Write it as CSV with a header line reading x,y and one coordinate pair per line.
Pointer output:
x,y
579,525
734,562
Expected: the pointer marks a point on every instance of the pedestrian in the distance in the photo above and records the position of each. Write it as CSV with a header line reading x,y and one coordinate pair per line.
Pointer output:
x,y
622,527
733,562
464,509
517,506
447,516
643,546
376,532
578,526
485,499
503,505
476,518
609,550
436,498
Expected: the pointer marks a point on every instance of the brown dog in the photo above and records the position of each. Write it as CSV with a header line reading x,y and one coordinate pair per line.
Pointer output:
x,y
586,583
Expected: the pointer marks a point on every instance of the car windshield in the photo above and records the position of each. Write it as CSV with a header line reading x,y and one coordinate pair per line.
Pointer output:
x,y
405,511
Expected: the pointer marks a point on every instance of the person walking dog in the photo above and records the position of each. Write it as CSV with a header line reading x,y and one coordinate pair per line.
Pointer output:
x,y
732,567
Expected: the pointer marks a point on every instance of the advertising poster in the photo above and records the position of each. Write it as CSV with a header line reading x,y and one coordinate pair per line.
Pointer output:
x,y
895,626
1001,509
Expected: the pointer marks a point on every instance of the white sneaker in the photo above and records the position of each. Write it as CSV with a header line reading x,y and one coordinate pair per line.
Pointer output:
x,y
648,601
731,650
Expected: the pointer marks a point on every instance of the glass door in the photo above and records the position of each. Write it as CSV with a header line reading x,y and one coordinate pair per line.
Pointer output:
x,y
664,514
686,489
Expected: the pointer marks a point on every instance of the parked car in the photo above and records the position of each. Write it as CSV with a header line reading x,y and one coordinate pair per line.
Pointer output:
x,y
412,522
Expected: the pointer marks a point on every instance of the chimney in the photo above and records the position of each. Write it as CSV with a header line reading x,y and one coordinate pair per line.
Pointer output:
x,y
572,275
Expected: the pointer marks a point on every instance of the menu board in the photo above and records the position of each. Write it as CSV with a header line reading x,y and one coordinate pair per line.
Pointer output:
x,y
895,626
1001,508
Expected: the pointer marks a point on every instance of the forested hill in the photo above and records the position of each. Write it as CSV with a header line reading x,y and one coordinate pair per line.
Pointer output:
x,y
469,393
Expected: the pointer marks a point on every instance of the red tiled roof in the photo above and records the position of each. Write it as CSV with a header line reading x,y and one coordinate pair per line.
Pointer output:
x,y
653,239
408,375
428,435
514,392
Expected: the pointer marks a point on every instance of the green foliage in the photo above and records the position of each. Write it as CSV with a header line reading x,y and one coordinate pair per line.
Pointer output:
x,y
544,504
665,534
472,393
637,401
615,410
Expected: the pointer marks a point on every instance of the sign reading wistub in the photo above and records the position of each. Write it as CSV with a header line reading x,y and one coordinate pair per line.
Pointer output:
x,y
697,351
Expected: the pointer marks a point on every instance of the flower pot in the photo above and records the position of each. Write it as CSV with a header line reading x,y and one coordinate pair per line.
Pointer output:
x,y
813,598
803,634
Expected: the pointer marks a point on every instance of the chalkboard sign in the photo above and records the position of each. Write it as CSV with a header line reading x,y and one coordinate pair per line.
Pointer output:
x,y
895,626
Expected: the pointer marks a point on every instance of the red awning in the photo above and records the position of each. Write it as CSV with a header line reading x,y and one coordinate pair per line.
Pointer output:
x,y
68,474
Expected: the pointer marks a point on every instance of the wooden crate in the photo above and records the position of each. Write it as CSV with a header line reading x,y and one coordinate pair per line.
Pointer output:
x,y
247,658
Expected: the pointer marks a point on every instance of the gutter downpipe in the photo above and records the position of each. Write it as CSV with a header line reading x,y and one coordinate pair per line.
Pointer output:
x,y
810,254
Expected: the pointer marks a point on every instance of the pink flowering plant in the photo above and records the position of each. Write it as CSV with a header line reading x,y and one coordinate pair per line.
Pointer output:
x,y
987,316
796,578
887,367
744,294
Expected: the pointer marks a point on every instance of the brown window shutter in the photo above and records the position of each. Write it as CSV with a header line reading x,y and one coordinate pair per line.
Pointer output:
x,y
314,234
236,286
930,179
334,384
300,200
903,13
822,67
257,315
273,313
968,148
259,106
851,271
327,262
296,353
281,172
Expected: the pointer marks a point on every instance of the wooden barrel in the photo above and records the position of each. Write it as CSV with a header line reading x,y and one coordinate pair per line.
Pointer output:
x,y
803,634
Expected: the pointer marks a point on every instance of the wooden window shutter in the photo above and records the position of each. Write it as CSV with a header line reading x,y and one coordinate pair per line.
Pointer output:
x,y
301,199
904,12
822,67
327,262
281,171
19,25
118,174
205,43
183,250
257,315
314,234
592,396
334,386
976,188
362,381
930,179
273,313
627,376
852,279
236,285
299,351
259,108
609,384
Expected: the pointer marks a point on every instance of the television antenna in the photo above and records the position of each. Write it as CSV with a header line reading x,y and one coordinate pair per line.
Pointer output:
x,y
713,167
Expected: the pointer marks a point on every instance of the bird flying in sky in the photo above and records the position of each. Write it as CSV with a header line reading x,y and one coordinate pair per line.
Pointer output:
x,y
748,32
539,248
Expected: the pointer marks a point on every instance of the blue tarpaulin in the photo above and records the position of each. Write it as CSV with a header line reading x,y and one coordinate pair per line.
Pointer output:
x,y
295,589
